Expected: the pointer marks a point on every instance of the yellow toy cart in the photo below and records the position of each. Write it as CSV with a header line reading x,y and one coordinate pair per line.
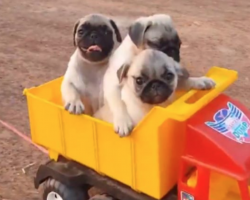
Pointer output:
x,y
85,151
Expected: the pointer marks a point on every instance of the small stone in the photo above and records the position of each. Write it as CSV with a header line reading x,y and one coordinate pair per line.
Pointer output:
x,y
196,23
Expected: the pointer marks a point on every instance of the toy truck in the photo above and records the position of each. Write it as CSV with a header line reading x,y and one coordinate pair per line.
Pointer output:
x,y
195,149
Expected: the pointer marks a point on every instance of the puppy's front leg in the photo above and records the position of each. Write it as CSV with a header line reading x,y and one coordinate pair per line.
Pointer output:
x,y
71,98
198,83
123,124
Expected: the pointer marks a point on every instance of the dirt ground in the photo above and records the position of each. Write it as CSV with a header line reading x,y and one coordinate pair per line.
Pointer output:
x,y
36,43
16,154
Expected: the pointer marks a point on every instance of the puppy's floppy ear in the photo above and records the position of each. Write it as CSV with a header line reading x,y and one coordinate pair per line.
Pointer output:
x,y
117,32
137,31
181,71
74,31
122,72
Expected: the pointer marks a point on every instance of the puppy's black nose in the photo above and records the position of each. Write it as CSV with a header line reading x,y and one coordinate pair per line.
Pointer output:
x,y
94,36
155,85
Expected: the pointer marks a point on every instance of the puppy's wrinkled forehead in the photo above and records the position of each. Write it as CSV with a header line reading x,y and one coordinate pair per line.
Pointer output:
x,y
95,20
151,63
158,31
162,27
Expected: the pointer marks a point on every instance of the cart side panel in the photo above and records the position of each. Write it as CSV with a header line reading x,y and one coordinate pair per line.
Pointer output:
x,y
44,124
79,139
157,153
114,154
172,142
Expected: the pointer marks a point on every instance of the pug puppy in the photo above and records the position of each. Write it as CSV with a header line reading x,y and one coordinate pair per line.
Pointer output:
x,y
151,80
95,37
152,32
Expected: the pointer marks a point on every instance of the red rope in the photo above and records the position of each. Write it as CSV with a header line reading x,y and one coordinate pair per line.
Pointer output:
x,y
22,135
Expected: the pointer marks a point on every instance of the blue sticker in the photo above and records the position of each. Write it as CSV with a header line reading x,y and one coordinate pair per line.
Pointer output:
x,y
232,123
186,196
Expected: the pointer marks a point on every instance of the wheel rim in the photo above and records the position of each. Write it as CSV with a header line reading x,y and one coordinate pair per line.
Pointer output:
x,y
54,196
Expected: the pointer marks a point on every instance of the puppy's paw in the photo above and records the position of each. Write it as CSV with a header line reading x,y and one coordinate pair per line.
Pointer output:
x,y
75,106
203,83
123,125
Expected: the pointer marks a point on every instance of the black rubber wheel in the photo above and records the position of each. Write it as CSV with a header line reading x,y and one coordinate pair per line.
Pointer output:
x,y
55,190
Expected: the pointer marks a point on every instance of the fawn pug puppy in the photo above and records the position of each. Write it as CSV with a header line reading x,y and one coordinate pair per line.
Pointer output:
x,y
151,80
95,37
153,32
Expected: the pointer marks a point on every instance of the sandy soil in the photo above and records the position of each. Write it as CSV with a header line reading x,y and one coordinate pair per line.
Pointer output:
x,y
36,42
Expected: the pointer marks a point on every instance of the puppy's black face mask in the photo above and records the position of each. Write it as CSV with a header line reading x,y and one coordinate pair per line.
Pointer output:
x,y
95,41
156,92
153,91
171,47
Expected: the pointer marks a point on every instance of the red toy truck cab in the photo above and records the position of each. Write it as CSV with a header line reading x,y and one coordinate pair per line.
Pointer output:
x,y
218,151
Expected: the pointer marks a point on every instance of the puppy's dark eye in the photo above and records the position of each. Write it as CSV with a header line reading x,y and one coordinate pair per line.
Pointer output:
x,y
163,48
139,81
80,32
107,32
169,76
153,44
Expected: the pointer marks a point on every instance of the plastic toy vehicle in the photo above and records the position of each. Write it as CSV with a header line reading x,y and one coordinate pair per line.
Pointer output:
x,y
197,148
